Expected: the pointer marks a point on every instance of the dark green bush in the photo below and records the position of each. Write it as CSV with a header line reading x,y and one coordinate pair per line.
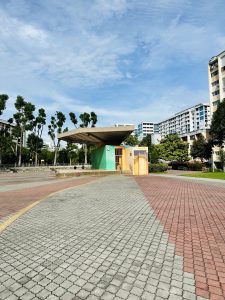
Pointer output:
x,y
191,166
154,168
195,166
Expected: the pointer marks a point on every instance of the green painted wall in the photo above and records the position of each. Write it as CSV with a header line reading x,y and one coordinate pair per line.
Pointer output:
x,y
103,158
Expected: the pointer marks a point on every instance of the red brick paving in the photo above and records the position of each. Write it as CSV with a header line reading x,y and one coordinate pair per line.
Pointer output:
x,y
193,214
13,201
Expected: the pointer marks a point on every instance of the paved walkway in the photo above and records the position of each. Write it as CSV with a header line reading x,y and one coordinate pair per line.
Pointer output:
x,y
99,241
14,197
193,214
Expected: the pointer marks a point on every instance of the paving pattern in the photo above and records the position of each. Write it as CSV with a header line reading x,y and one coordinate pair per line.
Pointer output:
x,y
193,214
18,195
99,241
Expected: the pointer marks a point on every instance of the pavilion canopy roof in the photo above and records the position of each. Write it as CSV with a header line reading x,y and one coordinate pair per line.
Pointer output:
x,y
98,135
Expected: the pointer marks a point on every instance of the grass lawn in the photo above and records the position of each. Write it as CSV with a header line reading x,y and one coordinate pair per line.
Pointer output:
x,y
215,175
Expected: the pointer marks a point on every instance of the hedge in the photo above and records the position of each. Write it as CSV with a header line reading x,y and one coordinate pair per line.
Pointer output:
x,y
191,166
154,168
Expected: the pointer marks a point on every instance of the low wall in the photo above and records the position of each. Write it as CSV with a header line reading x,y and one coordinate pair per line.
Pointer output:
x,y
76,173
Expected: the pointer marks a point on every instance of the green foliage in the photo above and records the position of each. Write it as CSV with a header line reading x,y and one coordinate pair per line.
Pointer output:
x,y
72,153
146,141
5,136
153,150
73,118
222,157
47,156
85,119
3,99
154,154
201,148
24,121
54,128
131,140
35,144
217,130
63,156
172,148
154,168
94,119
192,166
39,122
211,175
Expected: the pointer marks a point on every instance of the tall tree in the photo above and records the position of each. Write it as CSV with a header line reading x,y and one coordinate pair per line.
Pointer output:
x,y
3,99
172,148
85,119
54,128
217,129
222,158
94,119
146,141
24,120
35,144
35,141
72,151
131,140
73,118
153,152
201,148
5,135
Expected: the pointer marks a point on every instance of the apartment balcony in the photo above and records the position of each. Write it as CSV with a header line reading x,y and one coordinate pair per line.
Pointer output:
x,y
214,67
214,77
215,88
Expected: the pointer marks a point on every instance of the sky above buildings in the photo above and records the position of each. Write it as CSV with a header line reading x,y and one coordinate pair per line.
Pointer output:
x,y
127,60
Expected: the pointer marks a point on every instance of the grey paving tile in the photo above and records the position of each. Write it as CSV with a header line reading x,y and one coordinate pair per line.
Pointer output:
x,y
99,241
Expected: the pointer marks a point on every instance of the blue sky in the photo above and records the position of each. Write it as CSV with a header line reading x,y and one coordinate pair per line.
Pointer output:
x,y
127,60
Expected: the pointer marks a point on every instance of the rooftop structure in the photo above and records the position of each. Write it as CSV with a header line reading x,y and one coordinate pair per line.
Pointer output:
x,y
98,135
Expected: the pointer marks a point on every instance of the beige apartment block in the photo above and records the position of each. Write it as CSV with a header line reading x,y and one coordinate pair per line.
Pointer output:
x,y
216,74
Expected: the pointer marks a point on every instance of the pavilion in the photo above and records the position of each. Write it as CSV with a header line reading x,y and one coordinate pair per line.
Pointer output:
x,y
109,153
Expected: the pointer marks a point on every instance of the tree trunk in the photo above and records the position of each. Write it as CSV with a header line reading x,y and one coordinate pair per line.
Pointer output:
x,y
85,154
70,161
20,150
0,158
55,156
36,159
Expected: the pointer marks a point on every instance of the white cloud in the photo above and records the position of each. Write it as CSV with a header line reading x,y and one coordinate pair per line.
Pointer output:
x,y
124,49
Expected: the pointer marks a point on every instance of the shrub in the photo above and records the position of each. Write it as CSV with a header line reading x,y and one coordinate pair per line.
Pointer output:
x,y
195,166
154,168
191,166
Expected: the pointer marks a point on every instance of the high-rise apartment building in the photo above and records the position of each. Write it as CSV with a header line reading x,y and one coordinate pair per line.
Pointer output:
x,y
194,119
145,128
216,73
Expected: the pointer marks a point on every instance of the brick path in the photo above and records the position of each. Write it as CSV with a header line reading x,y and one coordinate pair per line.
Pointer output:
x,y
13,200
193,215
99,241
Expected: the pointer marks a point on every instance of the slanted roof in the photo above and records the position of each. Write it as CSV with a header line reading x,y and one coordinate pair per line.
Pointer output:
x,y
98,135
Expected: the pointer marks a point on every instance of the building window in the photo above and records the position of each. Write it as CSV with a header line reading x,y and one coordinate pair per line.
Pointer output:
x,y
215,93
214,73
215,82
